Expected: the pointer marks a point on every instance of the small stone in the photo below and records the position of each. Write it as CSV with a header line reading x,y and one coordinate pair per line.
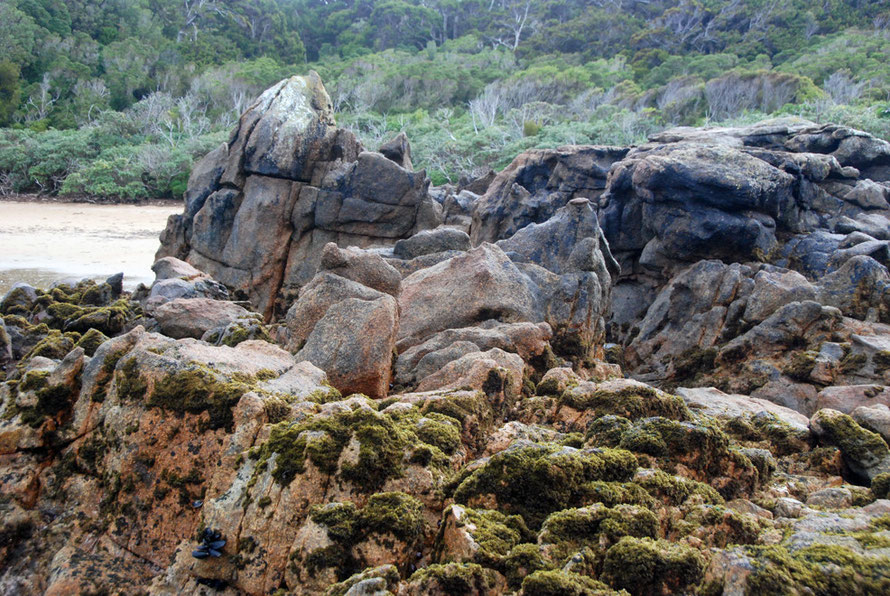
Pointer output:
x,y
831,498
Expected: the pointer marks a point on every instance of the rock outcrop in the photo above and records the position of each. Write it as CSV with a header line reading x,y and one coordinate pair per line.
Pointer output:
x,y
260,208
653,370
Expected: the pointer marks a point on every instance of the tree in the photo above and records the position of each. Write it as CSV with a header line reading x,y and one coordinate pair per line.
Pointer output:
x,y
18,35
514,19
10,91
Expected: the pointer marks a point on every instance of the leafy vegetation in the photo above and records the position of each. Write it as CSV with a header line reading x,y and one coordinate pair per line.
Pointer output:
x,y
117,99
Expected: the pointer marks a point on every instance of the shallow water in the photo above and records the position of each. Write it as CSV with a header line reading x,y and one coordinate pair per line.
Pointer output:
x,y
45,242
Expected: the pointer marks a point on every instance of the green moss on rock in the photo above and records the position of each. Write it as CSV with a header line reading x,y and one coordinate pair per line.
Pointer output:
x,y
384,445
455,579
719,525
606,431
16,302
860,448
597,526
618,493
801,365
196,390
440,431
387,575
393,513
50,399
693,363
495,533
676,490
91,341
522,561
563,583
632,402
880,486
643,566
700,447
536,480
54,346
822,570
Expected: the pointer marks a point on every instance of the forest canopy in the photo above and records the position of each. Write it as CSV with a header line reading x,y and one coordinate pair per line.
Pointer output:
x,y
116,98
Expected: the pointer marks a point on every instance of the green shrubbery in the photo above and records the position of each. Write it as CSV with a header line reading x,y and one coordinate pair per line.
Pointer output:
x,y
118,104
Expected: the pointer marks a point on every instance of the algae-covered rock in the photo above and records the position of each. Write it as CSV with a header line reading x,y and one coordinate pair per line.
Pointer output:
x,y
558,583
460,579
386,531
865,453
646,566
534,480
597,527
478,536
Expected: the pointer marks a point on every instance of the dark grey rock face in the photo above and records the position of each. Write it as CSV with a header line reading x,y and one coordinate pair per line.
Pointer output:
x,y
260,209
537,184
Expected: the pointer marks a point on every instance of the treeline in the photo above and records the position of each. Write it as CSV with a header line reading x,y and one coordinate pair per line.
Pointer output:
x,y
116,98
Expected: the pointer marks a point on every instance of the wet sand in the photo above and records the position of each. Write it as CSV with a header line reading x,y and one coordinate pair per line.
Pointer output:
x,y
43,242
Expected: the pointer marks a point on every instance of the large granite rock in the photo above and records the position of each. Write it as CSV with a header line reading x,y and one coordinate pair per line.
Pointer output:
x,y
345,321
260,209
353,342
558,272
193,317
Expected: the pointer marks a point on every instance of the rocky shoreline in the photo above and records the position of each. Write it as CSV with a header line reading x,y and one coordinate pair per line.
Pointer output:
x,y
604,370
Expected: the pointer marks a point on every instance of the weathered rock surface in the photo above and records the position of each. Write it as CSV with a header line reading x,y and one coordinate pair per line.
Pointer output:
x,y
260,210
536,185
354,343
558,272
193,317
346,328
528,340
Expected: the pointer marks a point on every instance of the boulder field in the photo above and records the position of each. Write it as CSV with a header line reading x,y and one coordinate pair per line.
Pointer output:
x,y
661,369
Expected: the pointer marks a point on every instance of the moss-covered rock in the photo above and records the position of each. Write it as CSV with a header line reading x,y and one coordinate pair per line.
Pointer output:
x,y
618,493
393,513
91,340
776,435
701,448
626,398
374,580
440,431
536,480
606,431
386,443
18,301
196,389
563,583
880,486
822,570
596,526
237,332
676,490
864,452
717,526
457,579
643,566
54,345
522,561
801,365
49,399
389,516
479,536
